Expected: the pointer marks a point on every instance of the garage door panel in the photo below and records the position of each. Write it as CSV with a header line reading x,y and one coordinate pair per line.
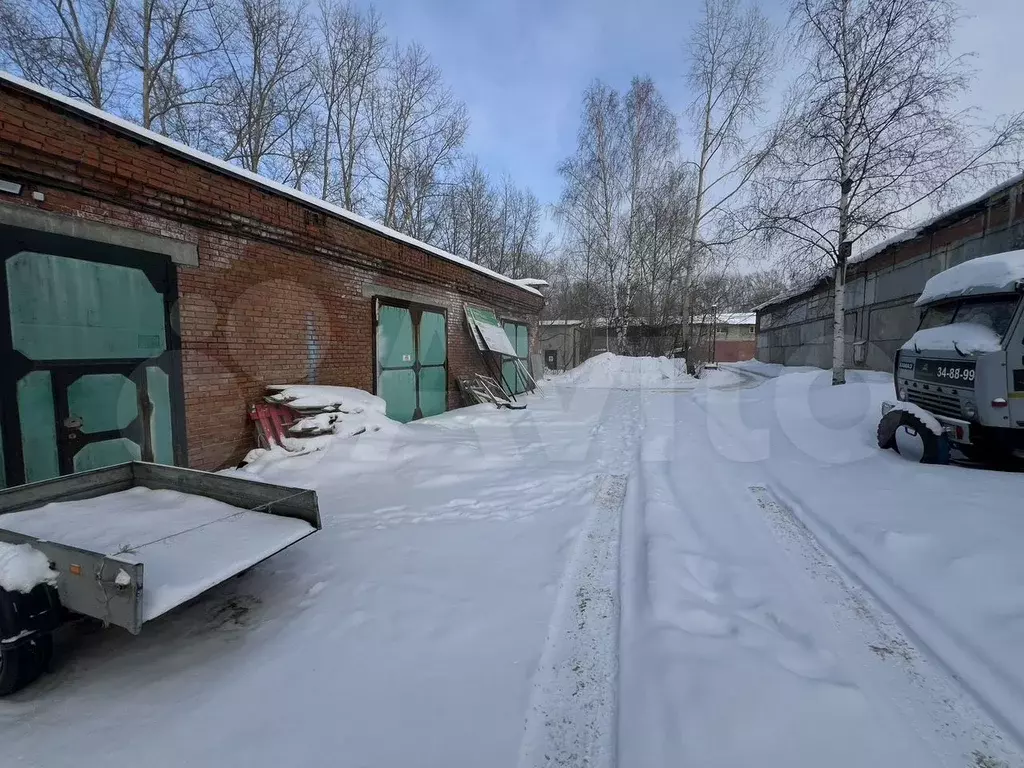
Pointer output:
x,y
69,309
432,341
395,341
398,388
433,395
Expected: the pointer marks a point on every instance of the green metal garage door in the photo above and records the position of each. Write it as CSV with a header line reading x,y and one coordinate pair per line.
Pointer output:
x,y
87,364
412,360
518,334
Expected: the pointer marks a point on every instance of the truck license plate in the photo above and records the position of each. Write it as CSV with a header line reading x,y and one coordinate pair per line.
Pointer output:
x,y
953,372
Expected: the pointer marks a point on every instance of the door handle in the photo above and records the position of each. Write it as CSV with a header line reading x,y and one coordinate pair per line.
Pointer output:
x,y
73,425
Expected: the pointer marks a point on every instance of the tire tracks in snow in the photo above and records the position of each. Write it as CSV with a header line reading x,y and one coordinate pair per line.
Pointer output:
x,y
967,698
906,632
573,710
571,719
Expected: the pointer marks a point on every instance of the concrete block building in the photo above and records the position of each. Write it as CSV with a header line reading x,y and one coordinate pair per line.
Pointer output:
x,y
883,282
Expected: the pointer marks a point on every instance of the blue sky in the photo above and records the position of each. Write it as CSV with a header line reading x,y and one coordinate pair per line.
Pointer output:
x,y
521,66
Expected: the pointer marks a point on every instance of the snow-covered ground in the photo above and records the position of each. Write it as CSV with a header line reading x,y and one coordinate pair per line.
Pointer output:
x,y
640,569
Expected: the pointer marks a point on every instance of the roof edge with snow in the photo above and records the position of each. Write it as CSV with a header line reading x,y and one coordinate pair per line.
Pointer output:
x,y
202,158
916,230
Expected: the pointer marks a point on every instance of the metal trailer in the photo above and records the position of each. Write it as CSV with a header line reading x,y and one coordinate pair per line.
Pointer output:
x,y
172,559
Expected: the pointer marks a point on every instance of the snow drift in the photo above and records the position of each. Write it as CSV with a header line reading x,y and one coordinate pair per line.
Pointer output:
x,y
327,413
23,568
609,371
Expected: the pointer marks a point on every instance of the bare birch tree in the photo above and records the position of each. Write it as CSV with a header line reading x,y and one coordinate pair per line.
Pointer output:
x,y
593,190
731,63
417,129
651,137
67,45
346,71
266,86
872,131
165,43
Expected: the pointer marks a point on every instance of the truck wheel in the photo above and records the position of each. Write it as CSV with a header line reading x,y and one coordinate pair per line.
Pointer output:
x,y
887,430
935,448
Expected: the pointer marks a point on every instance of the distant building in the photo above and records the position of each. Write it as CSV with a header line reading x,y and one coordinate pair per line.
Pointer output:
x,y
559,342
566,343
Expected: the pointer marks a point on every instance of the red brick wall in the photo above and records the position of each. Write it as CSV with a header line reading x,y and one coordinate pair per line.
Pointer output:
x,y
734,351
269,267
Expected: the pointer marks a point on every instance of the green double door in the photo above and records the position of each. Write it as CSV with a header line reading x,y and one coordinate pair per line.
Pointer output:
x,y
412,360
518,334
88,375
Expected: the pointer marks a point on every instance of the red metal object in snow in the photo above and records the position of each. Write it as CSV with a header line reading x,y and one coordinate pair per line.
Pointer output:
x,y
271,421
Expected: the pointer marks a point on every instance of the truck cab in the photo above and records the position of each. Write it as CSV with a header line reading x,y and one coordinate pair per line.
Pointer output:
x,y
965,363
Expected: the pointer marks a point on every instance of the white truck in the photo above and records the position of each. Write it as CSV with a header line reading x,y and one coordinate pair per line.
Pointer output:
x,y
960,378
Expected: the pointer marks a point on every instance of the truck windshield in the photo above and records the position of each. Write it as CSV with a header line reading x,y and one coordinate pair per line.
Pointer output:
x,y
940,314
994,312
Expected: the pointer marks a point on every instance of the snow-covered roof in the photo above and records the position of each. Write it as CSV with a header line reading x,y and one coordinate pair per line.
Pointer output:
x,y
797,290
738,318
726,318
233,170
901,237
533,282
998,273
917,229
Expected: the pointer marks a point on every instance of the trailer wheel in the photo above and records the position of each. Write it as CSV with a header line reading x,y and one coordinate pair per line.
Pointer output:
x,y
25,659
935,448
22,664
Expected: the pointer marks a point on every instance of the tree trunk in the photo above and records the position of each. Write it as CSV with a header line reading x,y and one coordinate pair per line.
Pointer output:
x,y
698,205
839,325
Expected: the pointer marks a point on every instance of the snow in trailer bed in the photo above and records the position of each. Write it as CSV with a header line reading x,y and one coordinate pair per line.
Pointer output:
x,y
727,573
186,543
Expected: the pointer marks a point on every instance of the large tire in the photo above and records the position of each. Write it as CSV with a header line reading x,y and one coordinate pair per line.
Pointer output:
x,y
22,664
887,429
25,659
936,447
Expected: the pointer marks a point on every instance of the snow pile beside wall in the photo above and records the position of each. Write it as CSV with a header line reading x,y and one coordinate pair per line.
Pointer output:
x,y
965,337
608,371
325,414
23,568
998,273
308,397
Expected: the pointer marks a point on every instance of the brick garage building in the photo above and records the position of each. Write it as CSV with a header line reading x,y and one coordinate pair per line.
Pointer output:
x,y
161,291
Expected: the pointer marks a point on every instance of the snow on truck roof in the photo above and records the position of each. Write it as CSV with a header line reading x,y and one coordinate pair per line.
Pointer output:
x,y
223,166
998,273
